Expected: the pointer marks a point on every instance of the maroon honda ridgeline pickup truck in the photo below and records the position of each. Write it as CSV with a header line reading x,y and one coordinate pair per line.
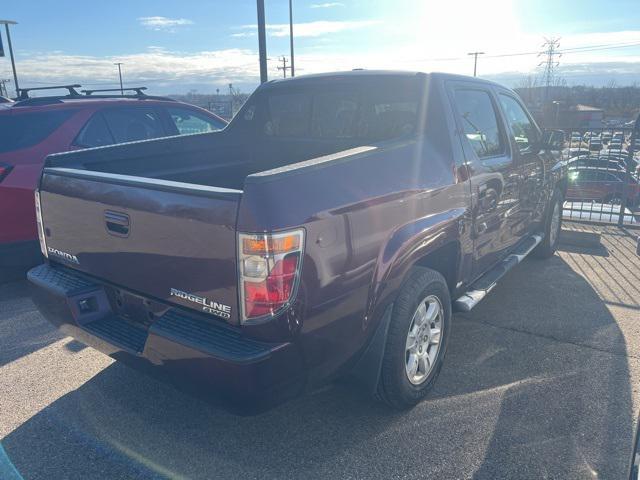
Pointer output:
x,y
330,229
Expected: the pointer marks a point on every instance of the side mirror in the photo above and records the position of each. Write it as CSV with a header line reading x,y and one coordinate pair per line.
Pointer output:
x,y
553,140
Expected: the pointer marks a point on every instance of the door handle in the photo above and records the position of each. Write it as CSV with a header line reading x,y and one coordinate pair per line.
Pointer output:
x,y
117,223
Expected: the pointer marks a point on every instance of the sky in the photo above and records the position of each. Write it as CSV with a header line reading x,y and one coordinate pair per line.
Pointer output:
x,y
177,46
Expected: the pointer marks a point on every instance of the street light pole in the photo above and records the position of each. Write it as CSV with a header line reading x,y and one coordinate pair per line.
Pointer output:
x,y
13,61
293,69
119,64
262,42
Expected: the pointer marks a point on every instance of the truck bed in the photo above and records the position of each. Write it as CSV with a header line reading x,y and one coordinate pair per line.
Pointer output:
x,y
217,159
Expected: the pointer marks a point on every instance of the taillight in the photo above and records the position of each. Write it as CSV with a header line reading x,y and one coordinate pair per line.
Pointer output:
x,y
41,237
269,270
4,170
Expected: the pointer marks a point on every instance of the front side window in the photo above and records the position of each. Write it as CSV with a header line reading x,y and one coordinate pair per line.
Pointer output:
x,y
480,122
132,124
189,121
25,130
524,131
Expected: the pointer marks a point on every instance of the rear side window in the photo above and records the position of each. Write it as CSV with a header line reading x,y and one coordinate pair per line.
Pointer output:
x,y
25,130
190,121
131,124
479,122
95,133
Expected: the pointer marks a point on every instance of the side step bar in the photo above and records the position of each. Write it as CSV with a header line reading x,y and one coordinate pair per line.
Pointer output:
x,y
485,284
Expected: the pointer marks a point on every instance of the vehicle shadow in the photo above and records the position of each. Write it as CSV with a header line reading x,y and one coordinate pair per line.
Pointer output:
x,y
22,328
536,385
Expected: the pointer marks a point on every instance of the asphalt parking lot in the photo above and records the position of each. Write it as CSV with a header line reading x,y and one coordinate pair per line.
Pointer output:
x,y
540,381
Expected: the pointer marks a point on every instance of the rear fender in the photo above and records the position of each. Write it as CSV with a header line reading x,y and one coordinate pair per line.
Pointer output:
x,y
404,248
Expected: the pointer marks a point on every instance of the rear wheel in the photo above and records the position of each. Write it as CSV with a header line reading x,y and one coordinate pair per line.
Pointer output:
x,y
417,339
552,228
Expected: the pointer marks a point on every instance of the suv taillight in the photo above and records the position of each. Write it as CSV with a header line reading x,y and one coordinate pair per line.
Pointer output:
x,y
4,170
40,225
269,270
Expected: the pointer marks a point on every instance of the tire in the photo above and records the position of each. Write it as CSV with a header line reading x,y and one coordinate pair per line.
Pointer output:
x,y
395,387
549,243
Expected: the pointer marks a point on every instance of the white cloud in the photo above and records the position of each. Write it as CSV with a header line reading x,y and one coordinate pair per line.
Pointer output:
x,y
165,70
163,23
327,5
160,69
307,29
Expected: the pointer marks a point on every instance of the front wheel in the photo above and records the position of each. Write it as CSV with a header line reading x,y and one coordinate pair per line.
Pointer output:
x,y
552,228
417,339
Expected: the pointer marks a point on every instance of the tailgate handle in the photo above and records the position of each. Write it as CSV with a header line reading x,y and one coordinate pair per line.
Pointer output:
x,y
117,223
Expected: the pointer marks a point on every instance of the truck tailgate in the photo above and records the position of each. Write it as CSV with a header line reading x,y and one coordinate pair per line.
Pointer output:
x,y
170,241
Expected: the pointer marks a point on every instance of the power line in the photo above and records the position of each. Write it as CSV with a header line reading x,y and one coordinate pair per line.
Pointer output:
x,y
585,48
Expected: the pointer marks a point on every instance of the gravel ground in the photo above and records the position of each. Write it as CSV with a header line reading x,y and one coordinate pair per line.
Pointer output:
x,y
540,381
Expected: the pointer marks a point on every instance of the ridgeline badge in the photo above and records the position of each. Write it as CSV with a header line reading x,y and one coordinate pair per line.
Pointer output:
x,y
208,306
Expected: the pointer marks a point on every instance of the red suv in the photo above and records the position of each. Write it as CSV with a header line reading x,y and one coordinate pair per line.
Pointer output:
x,y
32,128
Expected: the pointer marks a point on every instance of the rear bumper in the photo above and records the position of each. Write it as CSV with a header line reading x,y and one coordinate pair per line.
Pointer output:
x,y
208,359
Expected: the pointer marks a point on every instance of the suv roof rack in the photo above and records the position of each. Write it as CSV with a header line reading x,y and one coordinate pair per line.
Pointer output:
x,y
24,92
138,90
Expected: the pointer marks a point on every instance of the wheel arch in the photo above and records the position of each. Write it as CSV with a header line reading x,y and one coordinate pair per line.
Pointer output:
x,y
432,242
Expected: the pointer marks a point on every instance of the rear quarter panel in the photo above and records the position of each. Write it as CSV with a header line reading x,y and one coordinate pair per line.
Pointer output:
x,y
367,218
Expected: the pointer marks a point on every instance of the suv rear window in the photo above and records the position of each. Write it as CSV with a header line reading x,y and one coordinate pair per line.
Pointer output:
x,y
24,130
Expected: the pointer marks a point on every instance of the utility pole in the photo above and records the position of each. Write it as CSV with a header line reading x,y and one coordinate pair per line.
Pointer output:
x,y
284,67
475,61
262,42
293,70
13,61
119,64
551,46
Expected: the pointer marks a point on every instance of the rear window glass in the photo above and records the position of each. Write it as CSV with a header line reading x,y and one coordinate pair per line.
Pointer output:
x,y
371,111
25,130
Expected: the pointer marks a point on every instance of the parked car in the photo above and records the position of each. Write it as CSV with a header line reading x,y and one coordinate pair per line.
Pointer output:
x,y
595,143
596,161
35,127
615,144
618,136
602,185
576,152
329,230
